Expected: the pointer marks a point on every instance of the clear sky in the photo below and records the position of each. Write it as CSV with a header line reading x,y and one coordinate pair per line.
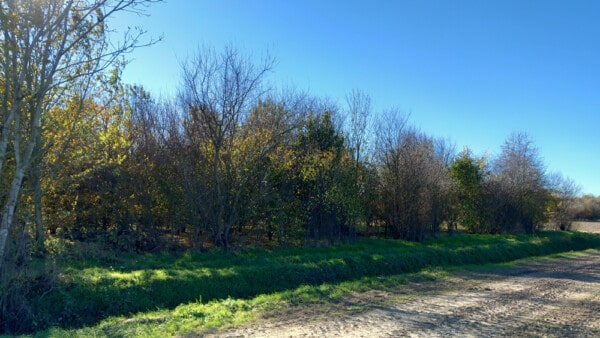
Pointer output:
x,y
469,71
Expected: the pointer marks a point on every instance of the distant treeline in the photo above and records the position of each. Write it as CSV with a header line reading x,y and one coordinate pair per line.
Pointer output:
x,y
587,207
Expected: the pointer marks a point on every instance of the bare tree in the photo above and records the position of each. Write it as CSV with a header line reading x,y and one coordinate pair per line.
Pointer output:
x,y
520,177
359,110
218,91
564,191
45,47
413,177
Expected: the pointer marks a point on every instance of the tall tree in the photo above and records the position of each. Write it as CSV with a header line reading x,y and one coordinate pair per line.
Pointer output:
x,y
218,91
45,48
359,111
324,184
412,179
467,174
520,182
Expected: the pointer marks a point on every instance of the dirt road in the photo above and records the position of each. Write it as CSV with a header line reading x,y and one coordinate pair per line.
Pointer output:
x,y
557,298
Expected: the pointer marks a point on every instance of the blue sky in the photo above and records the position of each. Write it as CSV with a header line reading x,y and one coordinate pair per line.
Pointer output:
x,y
469,71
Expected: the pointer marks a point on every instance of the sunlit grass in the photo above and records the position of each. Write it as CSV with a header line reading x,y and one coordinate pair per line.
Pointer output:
x,y
196,317
166,294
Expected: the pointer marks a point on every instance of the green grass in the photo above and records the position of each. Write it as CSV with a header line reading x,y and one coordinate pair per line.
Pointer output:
x,y
169,294
197,317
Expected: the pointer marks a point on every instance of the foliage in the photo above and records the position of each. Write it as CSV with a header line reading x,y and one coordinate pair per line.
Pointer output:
x,y
587,207
324,183
48,49
468,175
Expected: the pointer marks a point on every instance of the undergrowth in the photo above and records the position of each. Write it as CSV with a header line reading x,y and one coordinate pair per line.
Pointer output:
x,y
162,294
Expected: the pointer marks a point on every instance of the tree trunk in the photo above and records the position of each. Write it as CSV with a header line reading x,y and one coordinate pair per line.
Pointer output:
x,y
218,218
8,212
37,203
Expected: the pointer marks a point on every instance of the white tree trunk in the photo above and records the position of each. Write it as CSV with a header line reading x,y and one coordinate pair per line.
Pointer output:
x,y
8,212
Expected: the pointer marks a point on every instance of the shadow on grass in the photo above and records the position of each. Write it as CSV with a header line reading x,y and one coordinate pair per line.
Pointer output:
x,y
147,282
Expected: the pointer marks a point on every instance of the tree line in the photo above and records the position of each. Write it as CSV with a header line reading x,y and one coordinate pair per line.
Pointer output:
x,y
586,208
229,161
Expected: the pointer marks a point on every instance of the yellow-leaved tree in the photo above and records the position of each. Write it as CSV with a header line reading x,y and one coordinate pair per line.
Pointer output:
x,y
46,48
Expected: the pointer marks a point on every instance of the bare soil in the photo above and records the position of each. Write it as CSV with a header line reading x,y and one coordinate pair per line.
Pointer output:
x,y
546,298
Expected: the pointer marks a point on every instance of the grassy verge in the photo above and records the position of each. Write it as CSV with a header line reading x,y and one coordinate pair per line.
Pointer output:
x,y
165,294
